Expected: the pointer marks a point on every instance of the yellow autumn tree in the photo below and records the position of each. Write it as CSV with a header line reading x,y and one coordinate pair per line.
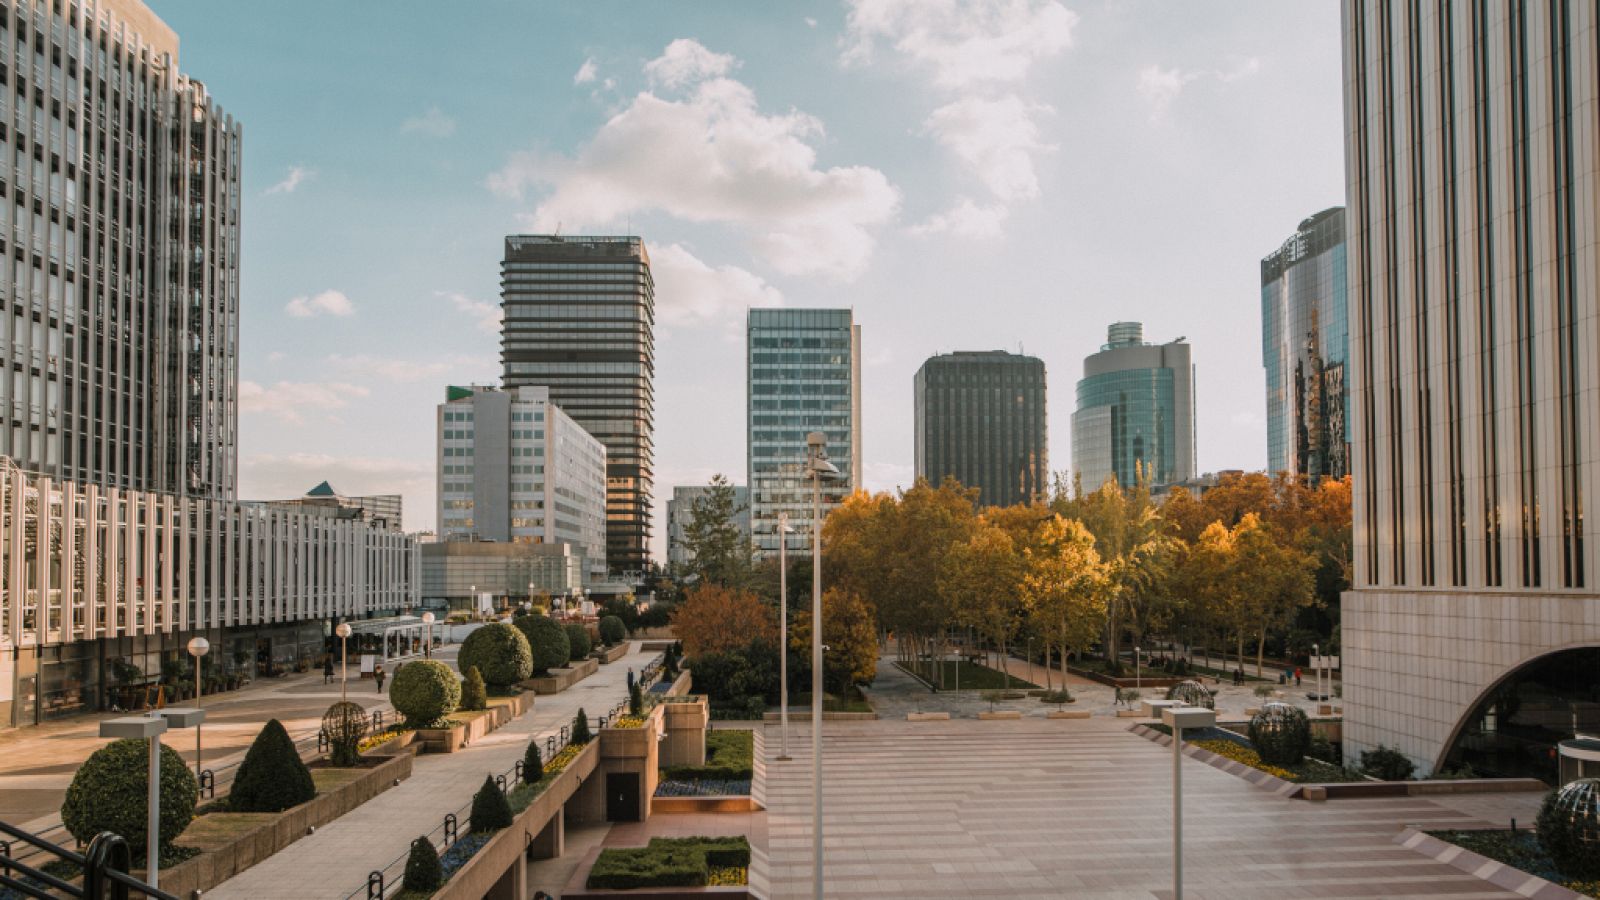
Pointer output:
x,y
1065,587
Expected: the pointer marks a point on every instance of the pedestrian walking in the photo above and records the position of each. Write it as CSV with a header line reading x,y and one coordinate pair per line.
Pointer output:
x,y
1296,676
1119,699
377,673
327,670
630,679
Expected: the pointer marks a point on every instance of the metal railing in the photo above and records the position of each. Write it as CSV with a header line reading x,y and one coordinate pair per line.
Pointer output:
x,y
104,864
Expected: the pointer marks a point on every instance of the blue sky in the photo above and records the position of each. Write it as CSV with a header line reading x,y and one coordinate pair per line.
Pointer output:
x,y
992,174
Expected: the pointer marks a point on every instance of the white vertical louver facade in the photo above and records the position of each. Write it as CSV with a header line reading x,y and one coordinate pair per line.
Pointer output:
x,y
1473,149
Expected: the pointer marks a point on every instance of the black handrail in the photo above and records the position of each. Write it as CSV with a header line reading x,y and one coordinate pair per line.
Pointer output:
x,y
105,866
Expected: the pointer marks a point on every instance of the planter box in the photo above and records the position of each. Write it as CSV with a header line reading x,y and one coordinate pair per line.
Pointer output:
x,y
474,725
928,717
1067,714
1131,714
611,654
233,842
1001,714
576,887
560,679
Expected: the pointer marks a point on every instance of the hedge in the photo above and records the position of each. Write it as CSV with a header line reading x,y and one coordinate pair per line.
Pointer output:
x,y
548,639
612,630
500,652
111,789
578,643
730,754
425,691
272,777
668,862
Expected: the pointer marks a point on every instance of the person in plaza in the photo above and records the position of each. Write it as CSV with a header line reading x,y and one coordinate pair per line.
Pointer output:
x,y
630,679
377,673
1119,699
327,670
1296,676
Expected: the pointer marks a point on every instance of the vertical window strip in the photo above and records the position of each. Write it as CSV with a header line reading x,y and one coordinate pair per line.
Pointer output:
x,y
1566,290
1391,284
1522,216
1365,282
1488,339
1452,250
1415,99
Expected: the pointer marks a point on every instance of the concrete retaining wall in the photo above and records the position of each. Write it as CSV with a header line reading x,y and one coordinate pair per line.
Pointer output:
x,y
560,679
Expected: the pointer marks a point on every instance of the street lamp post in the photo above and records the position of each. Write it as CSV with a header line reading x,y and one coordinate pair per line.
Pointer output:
x,y
1137,671
1316,672
1178,718
783,632
198,647
148,728
817,464
427,642
343,631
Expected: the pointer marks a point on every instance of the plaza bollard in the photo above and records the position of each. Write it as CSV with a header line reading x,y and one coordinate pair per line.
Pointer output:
x,y
375,886
518,770
500,782
449,829
324,741
208,783
550,746
377,720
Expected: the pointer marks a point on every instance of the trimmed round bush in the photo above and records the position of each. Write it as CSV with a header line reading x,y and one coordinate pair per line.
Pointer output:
x,y
423,872
1281,733
1192,693
425,691
490,809
474,695
345,724
272,777
112,787
499,652
578,642
1387,763
1569,829
551,649
612,630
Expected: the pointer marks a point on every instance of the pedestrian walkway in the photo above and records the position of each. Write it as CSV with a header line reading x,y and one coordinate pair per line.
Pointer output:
x,y
334,862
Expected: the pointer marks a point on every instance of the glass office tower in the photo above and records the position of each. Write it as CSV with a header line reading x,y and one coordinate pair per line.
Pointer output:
x,y
1305,341
580,320
804,375
1135,412
980,417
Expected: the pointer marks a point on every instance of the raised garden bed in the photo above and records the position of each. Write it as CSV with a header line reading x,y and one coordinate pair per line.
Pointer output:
x,y
1519,850
467,726
665,868
560,679
611,654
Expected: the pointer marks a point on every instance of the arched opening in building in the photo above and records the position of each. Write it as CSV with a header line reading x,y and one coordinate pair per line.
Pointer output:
x,y
1513,730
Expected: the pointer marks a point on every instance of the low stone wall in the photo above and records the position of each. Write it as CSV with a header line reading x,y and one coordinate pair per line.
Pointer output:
x,y
681,684
656,646
611,654
503,856
231,852
560,679
797,713
577,890
473,725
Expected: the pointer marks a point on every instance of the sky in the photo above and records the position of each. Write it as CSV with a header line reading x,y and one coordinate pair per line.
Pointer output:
x,y
993,174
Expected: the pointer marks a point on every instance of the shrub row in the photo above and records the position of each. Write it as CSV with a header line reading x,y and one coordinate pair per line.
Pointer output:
x,y
730,755
668,862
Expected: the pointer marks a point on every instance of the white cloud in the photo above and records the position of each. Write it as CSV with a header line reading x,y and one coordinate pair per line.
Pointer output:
x,y
1161,87
997,137
327,303
433,123
967,220
296,177
690,292
686,61
713,156
487,316
289,401
586,72
810,22
388,368
963,43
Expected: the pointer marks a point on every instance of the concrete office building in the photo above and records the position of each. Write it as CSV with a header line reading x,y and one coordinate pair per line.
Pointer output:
x,y
514,468
120,534
379,510
453,572
680,511
804,375
580,320
980,417
1135,412
1305,343
1471,633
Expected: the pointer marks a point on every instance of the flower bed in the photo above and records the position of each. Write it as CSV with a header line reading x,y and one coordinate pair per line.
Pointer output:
x,y
1518,849
703,787
671,862
1236,747
628,722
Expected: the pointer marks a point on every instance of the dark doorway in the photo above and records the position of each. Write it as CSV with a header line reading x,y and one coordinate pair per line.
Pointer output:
x,y
622,797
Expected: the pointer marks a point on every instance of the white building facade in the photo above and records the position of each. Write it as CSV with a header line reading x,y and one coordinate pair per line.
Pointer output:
x,y
514,468
1471,634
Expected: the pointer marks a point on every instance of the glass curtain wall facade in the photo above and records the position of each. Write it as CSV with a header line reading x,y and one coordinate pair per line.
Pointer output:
x,y
804,375
980,418
1305,343
680,512
1472,153
1135,412
580,320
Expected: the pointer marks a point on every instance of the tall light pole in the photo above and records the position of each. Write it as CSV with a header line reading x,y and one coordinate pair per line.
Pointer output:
x,y
148,728
1316,673
783,632
198,646
343,631
817,464
1137,680
427,642
1178,718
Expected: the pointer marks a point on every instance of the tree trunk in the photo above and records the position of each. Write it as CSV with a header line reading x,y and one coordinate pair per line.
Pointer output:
x,y
1005,664
1261,648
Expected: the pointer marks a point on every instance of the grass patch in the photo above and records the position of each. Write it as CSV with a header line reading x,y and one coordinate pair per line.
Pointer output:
x,y
1518,849
730,756
970,675
670,862
855,701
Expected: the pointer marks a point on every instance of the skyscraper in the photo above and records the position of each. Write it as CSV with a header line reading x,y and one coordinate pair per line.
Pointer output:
x,y
1305,342
1471,633
580,320
980,417
804,375
122,289
515,468
1135,411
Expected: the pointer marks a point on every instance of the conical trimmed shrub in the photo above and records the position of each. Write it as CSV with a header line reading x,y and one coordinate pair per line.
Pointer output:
x,y
580,728
635,701
474,694
532,763
272,777
489,808
423,872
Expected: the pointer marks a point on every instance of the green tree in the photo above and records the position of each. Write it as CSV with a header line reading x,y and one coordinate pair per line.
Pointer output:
x,y
474,693
1065,587
850,642
490,809
979,578
1137,549
423,872
720,553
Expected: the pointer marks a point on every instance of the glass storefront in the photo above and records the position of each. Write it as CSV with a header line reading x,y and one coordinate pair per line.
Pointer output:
x,y
1514,731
